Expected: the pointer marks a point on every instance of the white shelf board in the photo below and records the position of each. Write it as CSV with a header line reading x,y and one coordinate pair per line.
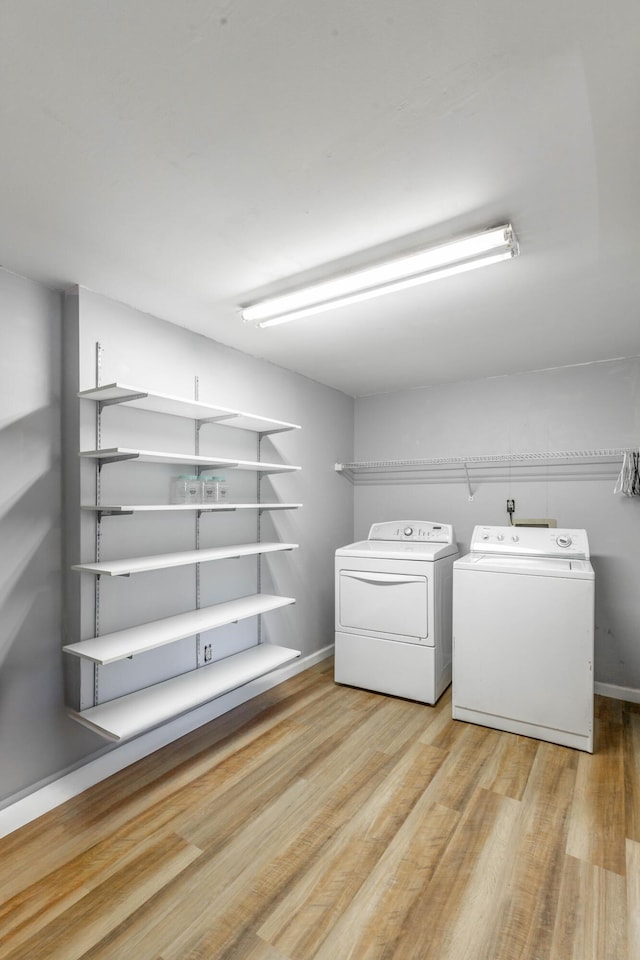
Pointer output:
x,y
136,712
123,568
179,407
158,456
157,633
205,507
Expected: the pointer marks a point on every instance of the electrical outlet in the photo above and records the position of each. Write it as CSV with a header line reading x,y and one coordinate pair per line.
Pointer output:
x,y
207,652
511,507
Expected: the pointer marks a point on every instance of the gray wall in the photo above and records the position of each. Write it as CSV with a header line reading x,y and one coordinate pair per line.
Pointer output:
x,y
38,741
594,406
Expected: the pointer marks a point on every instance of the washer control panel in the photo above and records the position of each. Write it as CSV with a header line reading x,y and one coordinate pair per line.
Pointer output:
x,y
412,531
531,542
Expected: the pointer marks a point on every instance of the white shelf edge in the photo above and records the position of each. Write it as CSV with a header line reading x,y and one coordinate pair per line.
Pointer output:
x,y
178,406
205,507
157,633
162,456
163,561
144,709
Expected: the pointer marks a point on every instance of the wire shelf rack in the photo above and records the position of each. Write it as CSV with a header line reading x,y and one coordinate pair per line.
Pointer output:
x,y
596,462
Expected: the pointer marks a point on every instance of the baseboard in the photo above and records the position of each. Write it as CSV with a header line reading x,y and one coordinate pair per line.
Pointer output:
x,y
631,694
72,783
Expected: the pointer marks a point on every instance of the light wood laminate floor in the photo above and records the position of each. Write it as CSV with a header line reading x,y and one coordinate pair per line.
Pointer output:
x,y
320,821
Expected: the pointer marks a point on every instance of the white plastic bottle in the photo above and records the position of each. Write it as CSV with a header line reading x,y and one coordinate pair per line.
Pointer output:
x,y
179,488
215,490
195,488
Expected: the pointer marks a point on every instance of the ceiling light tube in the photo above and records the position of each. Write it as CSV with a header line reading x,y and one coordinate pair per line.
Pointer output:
x,y
399,273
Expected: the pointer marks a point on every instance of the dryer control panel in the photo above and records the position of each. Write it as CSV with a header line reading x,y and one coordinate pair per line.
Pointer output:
x,y
421,531
531,542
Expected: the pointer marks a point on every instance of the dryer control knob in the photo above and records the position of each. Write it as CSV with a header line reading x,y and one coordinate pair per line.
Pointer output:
x,y
563,540
515,538
499,537
485,536
408,531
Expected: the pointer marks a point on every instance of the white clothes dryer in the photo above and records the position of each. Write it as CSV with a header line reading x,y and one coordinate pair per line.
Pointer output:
x,y
393,609
523,634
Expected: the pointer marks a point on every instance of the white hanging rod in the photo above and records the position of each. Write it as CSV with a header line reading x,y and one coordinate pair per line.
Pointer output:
x,y
539,457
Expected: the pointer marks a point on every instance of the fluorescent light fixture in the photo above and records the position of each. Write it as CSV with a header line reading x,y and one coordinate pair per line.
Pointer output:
x,y
399,273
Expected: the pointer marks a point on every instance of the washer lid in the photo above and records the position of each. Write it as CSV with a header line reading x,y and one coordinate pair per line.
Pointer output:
x,y
397,550
527,566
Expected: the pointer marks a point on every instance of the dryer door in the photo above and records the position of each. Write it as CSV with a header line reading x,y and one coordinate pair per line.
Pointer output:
x,y
379,599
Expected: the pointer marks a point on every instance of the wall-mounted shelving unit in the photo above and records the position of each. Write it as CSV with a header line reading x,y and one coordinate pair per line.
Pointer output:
x,y
133,713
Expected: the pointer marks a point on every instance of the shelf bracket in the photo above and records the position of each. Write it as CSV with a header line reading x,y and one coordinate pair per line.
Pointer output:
x,y
206,467
113,513
116,458
127,399
269,431
343,469
470,497
221,419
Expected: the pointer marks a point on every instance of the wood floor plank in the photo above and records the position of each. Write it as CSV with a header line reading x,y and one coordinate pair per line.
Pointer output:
x,y
508,770
291,852
607,710
591,918
484,900
373,919
70,935
631,745
300,922
597,833
234,800
192,901
524,918
210,905
41,903
257,949
375,733
633,900
410,900
441,731
477,881
457,778
404,723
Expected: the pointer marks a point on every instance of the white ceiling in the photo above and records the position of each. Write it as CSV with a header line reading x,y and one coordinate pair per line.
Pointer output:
x,y
185,156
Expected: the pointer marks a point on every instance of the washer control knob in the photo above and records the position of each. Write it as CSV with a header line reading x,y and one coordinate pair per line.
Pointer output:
x,y
485,536
563,540
499,537
515,538
408,531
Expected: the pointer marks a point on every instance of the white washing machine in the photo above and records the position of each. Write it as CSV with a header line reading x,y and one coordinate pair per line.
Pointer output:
x,y
523,629
393,609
